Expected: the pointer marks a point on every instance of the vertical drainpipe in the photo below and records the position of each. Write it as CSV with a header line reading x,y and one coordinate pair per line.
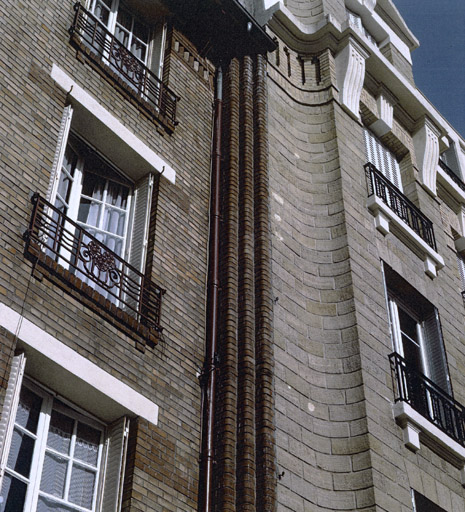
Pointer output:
x,y
207,451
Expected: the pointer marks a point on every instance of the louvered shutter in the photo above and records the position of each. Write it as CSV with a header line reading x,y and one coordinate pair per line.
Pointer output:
x,y
434,352
382,159
9,409
141,221
115,462
59,152
461,265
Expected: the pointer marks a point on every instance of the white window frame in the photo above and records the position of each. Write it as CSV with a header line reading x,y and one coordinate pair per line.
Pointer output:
x,y
111,458
138,220
76,195
156,35
40,447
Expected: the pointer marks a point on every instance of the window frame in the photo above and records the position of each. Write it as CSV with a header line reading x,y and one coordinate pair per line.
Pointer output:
x,y
155,46
52,402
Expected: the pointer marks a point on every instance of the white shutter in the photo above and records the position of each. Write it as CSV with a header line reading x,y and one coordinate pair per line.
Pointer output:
x,y
434,352
10,405
141,222
115,462
60,152
461,264
382,159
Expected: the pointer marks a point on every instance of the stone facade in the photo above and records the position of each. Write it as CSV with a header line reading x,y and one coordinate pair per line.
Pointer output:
x,y
338,444
325,263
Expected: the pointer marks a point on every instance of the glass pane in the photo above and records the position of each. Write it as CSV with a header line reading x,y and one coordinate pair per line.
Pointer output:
x,y
139,49
101,11
93,186
141,32
48,505
87,444
89,212
117,195
60,431
28,410
114,221
53,475
122,36
124,18
13,493
81,491
20,456
114,244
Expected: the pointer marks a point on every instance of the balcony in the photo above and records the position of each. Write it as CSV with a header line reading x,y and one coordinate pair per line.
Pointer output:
x,y
452,175
422,408
394,211
105,49
78,259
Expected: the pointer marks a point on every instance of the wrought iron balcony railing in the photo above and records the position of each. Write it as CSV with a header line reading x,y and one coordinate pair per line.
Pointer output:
x,y
379,185
427,399
146,86
452,175
53,234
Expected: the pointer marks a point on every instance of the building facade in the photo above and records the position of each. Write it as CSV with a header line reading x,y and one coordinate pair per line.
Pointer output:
x,y
232,261
369,316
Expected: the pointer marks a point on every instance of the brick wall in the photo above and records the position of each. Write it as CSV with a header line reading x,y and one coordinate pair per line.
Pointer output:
x,y
34,37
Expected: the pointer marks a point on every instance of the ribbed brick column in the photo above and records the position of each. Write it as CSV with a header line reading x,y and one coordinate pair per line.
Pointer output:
x,y
245,453
227,388
265,447
246,299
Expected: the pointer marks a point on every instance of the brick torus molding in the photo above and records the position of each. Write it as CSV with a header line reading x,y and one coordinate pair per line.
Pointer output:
x,y
426,143
350,73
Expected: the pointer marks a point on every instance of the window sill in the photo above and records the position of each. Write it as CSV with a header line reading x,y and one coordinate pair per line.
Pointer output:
x,y
386,220
414,424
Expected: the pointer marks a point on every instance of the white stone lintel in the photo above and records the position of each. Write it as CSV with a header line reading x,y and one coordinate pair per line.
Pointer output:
x,y
426,144
384,217
350,73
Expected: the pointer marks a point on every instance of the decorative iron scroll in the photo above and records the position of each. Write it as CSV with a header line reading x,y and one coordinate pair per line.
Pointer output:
x,y
78,251
147,87
452,175
379,185
427,398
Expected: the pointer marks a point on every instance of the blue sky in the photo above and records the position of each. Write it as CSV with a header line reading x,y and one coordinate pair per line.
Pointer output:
x,y
439,62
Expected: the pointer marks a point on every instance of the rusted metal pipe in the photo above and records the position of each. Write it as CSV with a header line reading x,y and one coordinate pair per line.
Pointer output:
x,y
207,457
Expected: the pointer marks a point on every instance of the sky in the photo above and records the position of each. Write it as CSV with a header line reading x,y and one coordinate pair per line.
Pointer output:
x,y
439,62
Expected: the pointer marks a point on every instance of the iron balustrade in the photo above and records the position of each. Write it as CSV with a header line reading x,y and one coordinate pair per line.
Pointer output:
x,y
452,175
379,185
51,233
423,395
87,29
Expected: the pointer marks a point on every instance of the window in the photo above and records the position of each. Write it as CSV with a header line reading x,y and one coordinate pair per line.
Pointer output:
x,y
423,504
144,41
93,225
59,458
416,332
126,39
91,192
384,161
461,265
